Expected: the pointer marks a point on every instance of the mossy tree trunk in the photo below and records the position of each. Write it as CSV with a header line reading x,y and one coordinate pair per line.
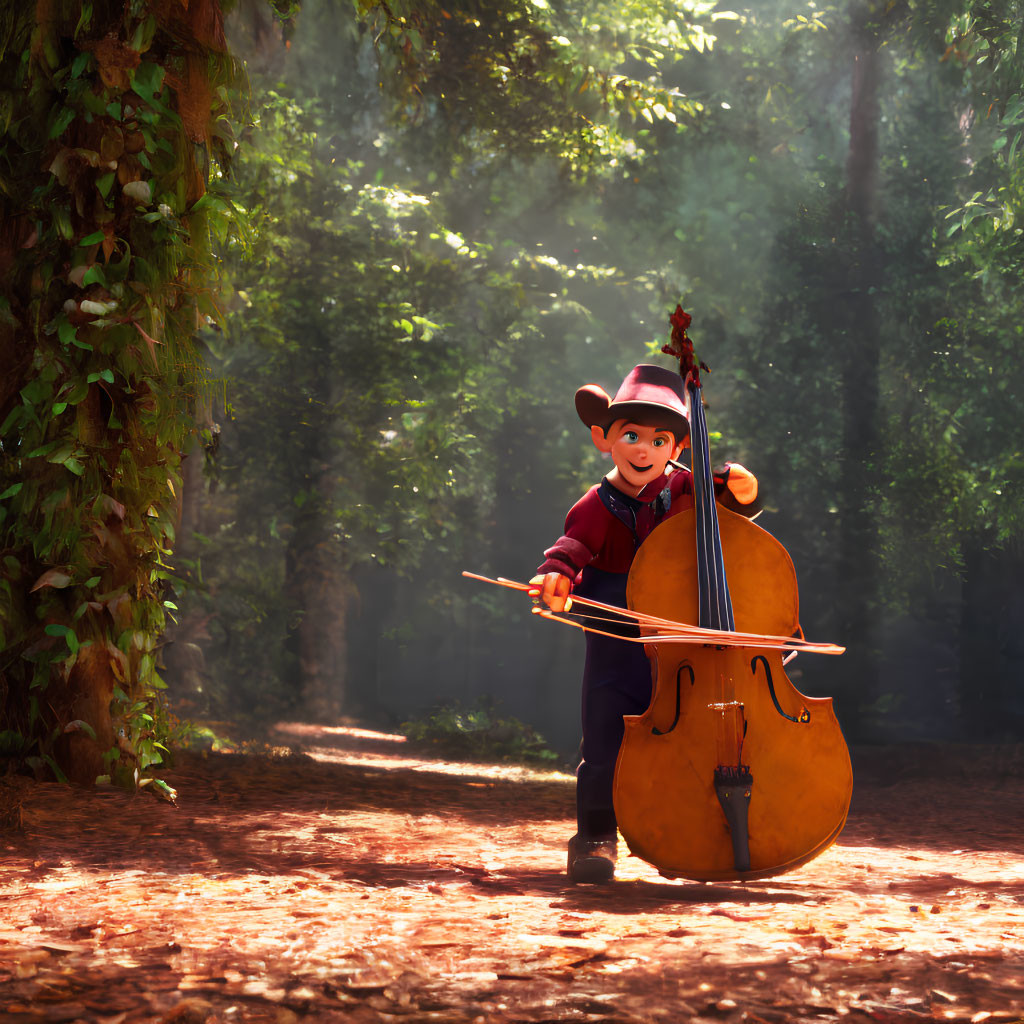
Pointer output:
x,y
108,111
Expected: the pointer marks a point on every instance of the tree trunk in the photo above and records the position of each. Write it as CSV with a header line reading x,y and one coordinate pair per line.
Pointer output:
x,y
101,291
319,594
857,578
991,645
374,595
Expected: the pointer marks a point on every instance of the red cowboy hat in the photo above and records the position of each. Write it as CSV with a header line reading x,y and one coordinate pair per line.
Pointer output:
x,y
646,387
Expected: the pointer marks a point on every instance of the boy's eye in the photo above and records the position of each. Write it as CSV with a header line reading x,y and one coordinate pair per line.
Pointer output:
x,y
632,436
659,442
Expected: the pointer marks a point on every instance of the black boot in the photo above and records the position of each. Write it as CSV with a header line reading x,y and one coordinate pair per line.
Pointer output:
x,y
592,860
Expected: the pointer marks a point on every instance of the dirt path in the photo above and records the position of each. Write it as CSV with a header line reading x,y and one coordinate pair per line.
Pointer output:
x,y
359,884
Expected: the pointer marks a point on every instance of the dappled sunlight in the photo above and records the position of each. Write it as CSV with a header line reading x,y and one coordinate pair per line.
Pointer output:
x,y
371,749
467,769
356,890
304,730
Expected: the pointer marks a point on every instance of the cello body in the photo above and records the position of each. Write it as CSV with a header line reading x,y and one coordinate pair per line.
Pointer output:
x,y
715,706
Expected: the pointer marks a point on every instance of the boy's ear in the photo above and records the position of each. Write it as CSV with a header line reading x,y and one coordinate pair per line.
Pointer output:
x,y
601,443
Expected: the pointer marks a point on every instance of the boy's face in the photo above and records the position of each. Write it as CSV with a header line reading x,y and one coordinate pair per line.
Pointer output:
x,y
640,452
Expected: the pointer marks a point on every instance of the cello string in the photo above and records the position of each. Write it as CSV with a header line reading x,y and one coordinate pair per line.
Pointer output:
x,y
718,604
711,569
697,442
705,576
720,613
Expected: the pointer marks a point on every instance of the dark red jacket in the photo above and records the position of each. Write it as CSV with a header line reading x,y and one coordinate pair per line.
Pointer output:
x,y
605,527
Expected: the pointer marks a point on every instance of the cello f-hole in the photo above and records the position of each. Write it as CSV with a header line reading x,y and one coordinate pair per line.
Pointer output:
x,y
675,721
804,717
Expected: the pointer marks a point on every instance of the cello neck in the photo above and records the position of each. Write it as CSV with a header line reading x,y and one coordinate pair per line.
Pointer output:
x,y
712,587
715,605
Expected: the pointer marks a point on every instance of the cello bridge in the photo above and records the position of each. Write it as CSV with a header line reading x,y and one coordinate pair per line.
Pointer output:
x,y
731,731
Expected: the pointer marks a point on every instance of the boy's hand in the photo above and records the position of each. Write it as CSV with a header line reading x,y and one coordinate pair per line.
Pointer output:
x,y
553,589
741,483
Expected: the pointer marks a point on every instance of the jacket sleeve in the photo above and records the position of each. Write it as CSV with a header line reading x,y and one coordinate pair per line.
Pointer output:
x,y
585,528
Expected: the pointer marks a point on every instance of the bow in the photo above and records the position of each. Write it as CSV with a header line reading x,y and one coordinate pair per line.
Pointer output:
x,y
655,630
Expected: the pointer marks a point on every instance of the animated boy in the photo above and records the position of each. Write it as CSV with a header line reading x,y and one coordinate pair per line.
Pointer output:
x,y
642,429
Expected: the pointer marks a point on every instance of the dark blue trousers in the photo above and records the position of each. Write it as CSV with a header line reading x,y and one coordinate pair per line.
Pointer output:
x,y
616,682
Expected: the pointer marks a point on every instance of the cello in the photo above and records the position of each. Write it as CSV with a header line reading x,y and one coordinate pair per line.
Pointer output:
x,y
731,773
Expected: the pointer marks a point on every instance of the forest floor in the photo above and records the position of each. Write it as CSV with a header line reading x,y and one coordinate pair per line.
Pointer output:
x,y
357,882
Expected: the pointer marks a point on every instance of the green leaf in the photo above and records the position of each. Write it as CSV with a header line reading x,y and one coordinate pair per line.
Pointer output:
x,y
96,236
69,635
118,272
74,466
61,122
80,726
43,449
77,392
143,37
61,221
208,201
159,788
59,407
62,454
11,491
95,275
78,65
15,414
104,183
61,777
147,80
67,332
84,19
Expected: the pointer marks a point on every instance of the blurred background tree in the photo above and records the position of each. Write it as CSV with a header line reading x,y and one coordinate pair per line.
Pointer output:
x,y
538,184
442,218
403,417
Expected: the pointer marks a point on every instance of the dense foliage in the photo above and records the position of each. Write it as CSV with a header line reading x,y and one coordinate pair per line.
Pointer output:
x,y
483,242
110,127
480,732
396,368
